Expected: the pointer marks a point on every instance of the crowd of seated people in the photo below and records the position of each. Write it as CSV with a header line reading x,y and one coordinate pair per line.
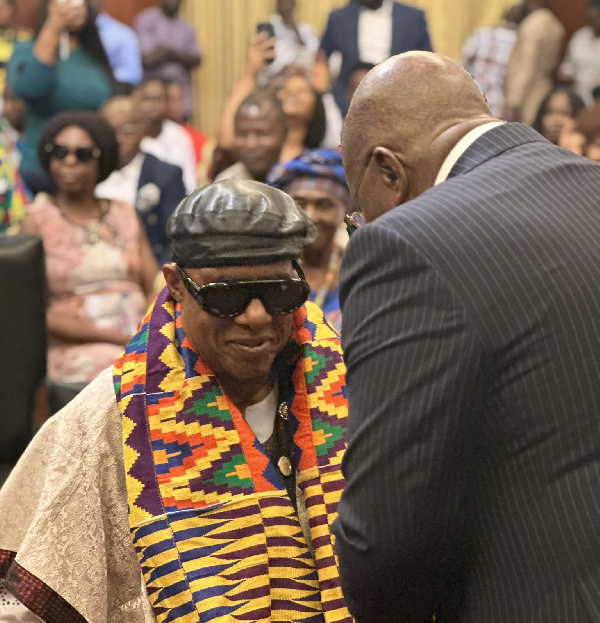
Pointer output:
x,y
280,125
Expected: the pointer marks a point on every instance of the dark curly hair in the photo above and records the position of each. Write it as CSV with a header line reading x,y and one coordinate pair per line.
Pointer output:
x,y
101,132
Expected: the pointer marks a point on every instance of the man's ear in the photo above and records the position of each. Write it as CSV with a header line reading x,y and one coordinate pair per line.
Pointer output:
x,y
391,169
174,283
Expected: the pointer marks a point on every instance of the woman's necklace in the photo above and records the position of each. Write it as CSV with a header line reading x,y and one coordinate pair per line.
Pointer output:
x,y
92,230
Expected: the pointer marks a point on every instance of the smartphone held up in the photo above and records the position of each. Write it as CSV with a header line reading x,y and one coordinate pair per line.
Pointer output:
x,y
268,28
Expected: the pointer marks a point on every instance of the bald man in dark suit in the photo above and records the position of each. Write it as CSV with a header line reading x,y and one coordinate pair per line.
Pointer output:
x,y
471,331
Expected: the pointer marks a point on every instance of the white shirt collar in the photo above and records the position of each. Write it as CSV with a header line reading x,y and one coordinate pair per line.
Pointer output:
x,y
459,149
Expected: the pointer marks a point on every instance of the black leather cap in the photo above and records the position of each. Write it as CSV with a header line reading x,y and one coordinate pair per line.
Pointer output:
x,y
236,223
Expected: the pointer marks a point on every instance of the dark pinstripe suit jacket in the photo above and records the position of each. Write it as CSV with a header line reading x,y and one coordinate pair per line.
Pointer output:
x,y
471,329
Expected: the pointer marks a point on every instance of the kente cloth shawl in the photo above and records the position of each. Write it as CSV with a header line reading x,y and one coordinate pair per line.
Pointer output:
x,y
215,530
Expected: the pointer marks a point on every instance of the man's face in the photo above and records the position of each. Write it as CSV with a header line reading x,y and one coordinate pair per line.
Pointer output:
x,y
259,135
152,99
170,7
285,7
325,210
370,4
243,348
129,131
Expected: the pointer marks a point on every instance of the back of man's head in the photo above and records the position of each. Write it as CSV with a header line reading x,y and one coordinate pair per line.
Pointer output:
x,y
407,114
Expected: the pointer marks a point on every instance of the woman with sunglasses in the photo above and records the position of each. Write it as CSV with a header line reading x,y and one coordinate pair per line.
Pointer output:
x,y
63,68
99,264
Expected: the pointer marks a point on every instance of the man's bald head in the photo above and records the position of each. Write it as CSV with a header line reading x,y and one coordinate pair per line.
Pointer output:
x,y
411,109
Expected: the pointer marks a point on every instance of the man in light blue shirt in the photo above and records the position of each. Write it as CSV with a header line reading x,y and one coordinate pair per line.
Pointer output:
x,y
121,45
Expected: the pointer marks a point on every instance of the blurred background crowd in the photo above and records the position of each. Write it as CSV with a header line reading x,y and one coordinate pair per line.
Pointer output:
x,y
112,112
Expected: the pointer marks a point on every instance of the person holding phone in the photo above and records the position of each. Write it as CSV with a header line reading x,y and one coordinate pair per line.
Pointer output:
x,y
52,77
296,43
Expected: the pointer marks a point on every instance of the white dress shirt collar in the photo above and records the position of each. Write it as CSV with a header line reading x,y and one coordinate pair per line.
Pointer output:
x,y
375,33
459,149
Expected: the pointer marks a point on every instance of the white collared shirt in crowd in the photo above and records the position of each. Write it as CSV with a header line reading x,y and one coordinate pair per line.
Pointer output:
x,y
375,33
123,183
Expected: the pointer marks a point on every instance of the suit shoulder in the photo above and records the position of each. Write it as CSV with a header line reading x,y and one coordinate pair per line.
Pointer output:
x,y
341,13
160,167
409,11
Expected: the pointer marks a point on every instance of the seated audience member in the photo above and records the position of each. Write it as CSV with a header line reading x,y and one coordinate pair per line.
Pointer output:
x,y
485,56
356,75
203,146
14,196
164,138
214,444
581,64
296,43
153,186
557,108
121,45
260,131
63,68
12,124
588,127
100,268
302,104
176,112
316,182
169,46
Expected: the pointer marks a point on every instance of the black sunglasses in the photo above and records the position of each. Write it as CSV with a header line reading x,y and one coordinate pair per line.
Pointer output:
x,y
83,154
231,298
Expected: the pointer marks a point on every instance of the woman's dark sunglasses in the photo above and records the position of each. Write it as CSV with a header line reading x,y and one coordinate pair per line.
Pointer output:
x,y
231,298
83,154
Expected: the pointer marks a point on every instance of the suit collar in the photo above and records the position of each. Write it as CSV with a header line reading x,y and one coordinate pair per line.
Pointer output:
x,y
494,142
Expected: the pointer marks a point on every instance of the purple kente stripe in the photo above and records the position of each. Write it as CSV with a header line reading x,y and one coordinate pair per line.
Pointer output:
x,y
143,469
157,342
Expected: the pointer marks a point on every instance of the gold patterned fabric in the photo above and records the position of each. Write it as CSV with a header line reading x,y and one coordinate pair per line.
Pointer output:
x,y
215,530
63,518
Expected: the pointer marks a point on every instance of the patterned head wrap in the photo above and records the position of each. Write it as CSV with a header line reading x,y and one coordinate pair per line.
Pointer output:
x,y
315,168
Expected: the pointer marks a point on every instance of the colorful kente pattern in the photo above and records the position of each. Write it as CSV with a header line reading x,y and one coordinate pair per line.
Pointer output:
x,y
216,533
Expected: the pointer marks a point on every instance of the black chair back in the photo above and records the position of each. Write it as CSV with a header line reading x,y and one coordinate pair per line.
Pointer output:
x,y
22,339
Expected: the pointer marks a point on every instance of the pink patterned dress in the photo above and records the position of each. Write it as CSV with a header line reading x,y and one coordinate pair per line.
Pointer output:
x,y
94,274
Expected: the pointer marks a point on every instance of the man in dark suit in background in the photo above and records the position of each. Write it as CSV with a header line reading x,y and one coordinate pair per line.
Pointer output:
x,y
471,331
369,31
153,186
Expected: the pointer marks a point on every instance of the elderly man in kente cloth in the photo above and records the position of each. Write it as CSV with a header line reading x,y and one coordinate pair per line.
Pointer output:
x,y
198,479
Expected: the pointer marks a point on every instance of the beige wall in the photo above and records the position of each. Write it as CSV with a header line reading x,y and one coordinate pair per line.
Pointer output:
x,y
225,27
